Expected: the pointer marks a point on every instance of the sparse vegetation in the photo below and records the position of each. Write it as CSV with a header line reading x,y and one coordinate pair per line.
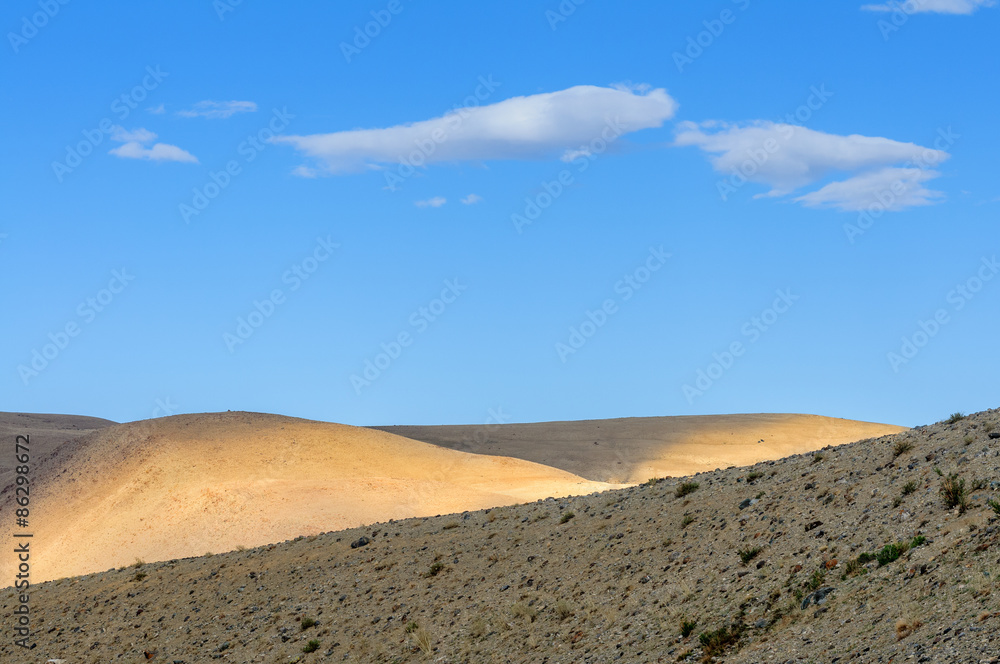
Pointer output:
x,y
563,609
994,505
687,627
890,552
687,521
139,562
139,576
435,569
816,579
411,627
754,475
909,488
817,457
968,440
954,493
716,642
748,554
424,641
307,623
906,627
978,484
312,646
686,489
901,448
522,610
955,417
566,517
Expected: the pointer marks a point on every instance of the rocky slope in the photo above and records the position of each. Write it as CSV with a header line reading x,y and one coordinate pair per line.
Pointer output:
x,y
849,554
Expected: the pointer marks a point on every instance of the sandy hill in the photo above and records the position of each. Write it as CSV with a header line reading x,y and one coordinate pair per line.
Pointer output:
x,y
184,485
849,554
634,449
46,433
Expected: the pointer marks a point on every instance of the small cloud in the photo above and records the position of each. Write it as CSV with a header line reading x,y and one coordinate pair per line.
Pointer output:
x,y
157,110
472,199
218,109
304,172
435,202
570,155
134,147
539,126
964,7
891,188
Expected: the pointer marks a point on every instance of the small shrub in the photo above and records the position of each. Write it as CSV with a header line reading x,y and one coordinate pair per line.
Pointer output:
x,y
566,517
307,623
522,610
716,642
312,646
890,553
906,627
817,457
897,502
919,540
424,641
854,567
866,558
478,628
139,576
754,475
901,448
938,471
994,505
563,609
411,627
816,580
909,488
139,562
746,555
687,521
979,484
686,488
955,417
968,440
687,627
434,570
954,493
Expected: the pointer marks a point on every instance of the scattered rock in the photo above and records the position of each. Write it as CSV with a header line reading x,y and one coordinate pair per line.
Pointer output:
x,y
362,541
816,597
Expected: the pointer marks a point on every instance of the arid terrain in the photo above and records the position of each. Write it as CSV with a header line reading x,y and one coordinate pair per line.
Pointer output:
x,y
634,449
881,550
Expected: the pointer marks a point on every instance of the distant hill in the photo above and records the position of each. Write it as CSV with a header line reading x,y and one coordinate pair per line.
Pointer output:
x,y
636,449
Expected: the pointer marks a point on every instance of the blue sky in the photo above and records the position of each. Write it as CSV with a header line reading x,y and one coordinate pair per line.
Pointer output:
x,y
535,210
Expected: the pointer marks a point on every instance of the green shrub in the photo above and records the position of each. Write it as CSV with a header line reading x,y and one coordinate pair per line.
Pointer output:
x,y
434,570
312,646
566,517
994,505
955,417
890,553
307,623
686,488
816,580
909,488
687,627
817,457
901,448
919,540
716,642
411,627
746,555
687,521
954,493
754,475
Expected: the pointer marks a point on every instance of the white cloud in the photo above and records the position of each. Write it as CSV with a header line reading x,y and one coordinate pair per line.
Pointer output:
x,y
890,188
157,110
472,199
934,6
787,158
435,202
218,109
536,126
134,147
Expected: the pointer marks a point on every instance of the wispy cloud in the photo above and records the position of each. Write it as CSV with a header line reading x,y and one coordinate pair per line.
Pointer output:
x,y
892,188
931,6
435,202
215,110
532,127
787,158
134,147
157,110
472,199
